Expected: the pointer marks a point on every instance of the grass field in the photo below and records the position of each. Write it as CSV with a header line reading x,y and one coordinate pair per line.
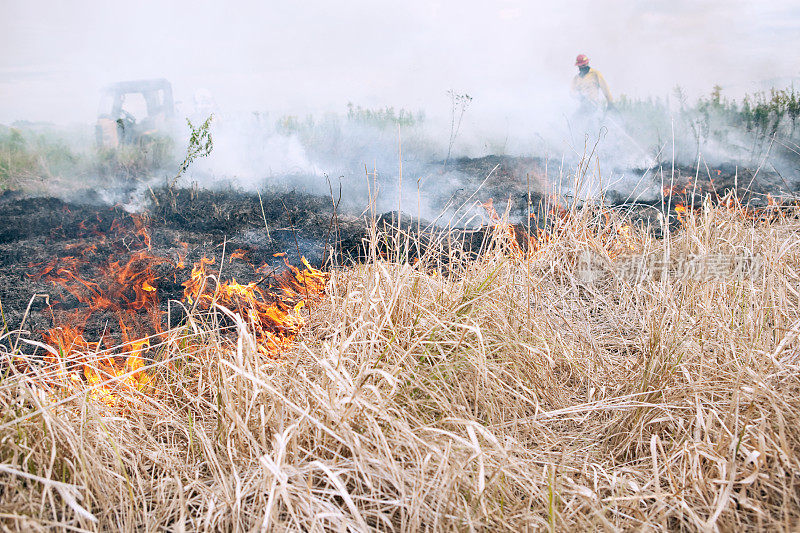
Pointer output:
x,y
507,393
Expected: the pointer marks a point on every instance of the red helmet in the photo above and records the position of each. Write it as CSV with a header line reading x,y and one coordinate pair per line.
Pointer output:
x,y
581,61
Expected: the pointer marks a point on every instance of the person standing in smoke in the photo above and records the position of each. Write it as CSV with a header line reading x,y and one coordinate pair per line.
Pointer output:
x,y
588,85
589,123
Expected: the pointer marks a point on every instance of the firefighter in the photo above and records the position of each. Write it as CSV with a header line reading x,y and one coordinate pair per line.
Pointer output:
x,y
587,85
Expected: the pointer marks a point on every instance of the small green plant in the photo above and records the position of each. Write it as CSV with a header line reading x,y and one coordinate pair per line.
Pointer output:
x,y
27,157
383,117
746,127
132,161
291,124
200,145
15,158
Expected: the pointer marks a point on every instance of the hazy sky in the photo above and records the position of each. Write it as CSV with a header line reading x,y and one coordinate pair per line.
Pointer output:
x,y
317,55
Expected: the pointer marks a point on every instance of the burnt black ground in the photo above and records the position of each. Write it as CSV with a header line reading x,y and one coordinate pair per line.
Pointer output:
x,y
183,224
197,223
518,181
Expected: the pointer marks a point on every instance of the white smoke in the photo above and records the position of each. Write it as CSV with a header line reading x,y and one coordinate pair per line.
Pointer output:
x,y
309,58
515,58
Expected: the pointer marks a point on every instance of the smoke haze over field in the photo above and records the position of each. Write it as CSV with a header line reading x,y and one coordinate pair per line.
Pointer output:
x,y
514,57
255,62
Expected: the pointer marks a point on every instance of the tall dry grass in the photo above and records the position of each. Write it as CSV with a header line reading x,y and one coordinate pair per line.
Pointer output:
x,y
508,394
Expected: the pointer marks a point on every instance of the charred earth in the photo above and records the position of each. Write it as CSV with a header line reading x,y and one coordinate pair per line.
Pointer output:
x,y
61,256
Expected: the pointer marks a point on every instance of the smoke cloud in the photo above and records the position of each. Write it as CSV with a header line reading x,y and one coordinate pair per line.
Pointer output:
x,y
510,55
259,61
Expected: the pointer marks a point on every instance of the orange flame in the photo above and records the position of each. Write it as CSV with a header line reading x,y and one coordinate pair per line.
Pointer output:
x,y
273,313
127,288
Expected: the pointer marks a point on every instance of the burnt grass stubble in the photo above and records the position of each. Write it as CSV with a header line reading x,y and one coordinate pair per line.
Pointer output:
x,y
188,224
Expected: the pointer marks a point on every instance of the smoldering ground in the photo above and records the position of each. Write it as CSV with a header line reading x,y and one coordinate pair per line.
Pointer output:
x,y
260,64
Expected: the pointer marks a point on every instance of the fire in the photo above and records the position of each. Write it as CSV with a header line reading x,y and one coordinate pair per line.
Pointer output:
x,y
490,211
520,243
182,255
272,312
616,239
625,233
197,279
674,190
507,229
125,286
238,254
680,210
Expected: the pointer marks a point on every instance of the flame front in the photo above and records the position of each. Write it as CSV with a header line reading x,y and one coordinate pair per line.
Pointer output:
x,y
125,286
272,313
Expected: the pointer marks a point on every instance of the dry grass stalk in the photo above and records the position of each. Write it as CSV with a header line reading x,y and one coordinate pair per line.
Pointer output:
x,y
508,394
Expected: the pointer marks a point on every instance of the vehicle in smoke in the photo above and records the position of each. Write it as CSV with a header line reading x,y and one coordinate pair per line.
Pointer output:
x,y
135,112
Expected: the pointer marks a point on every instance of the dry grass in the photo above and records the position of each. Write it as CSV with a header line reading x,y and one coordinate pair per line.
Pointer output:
x,y
508,395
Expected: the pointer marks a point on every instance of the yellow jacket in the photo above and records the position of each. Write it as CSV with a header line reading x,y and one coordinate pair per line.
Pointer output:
x,y
589,86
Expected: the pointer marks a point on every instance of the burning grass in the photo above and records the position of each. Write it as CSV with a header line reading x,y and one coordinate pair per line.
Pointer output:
x,y
513,391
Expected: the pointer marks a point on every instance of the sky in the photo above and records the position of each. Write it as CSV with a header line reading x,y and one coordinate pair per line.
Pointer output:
x,y
314,56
